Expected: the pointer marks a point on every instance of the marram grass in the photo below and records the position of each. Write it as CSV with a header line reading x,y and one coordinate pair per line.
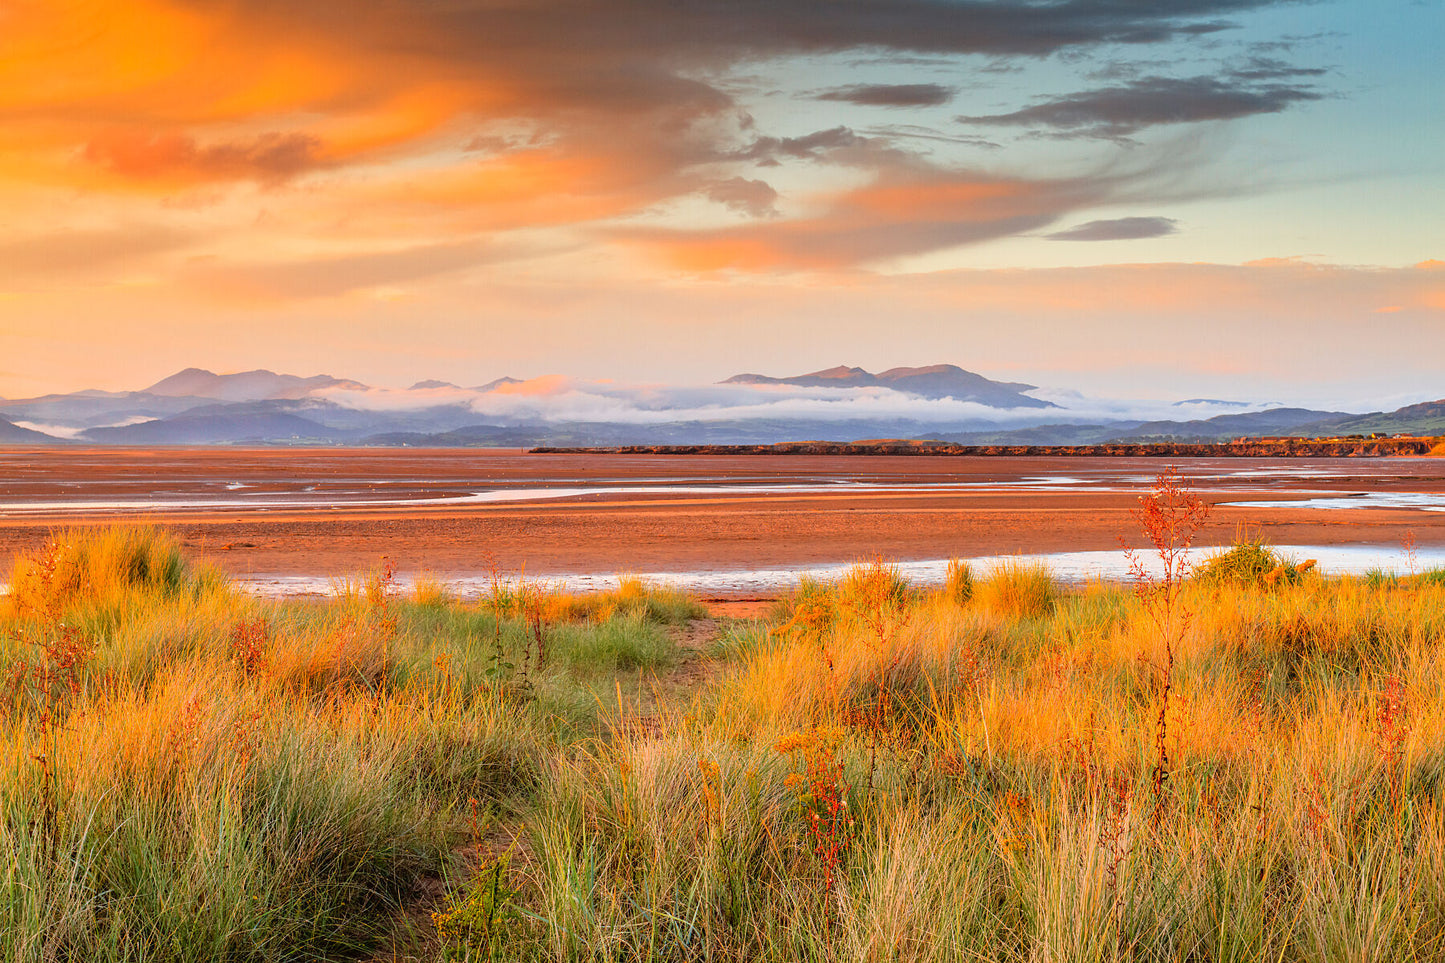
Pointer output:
x,y
999,805
195,774
877,773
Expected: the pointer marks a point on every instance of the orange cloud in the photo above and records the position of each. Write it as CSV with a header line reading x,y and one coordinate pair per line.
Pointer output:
x,y
267,157
545,386
907,210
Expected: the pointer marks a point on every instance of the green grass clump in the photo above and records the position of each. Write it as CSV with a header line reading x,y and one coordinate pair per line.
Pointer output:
x,y
1252,563
82,570
958,582
1018,589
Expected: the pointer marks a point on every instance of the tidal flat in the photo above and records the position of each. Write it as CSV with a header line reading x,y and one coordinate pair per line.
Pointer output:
x,y
296,518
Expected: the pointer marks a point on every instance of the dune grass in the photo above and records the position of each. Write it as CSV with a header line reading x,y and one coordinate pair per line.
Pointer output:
x,y
1001,807
877,772
196,774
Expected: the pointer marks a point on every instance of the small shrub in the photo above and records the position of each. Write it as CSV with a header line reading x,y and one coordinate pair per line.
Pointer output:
x,y
485,922
1250,562
822,793
249,641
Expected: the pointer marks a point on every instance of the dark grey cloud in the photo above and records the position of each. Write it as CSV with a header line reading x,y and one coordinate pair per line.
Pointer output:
x,y
628,100
807,147
752,197
752,27
1116,112
917,132
649,78
1118,229
623,52
891,95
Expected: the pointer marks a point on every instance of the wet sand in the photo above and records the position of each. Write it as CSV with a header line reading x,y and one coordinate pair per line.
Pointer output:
x,y
329,512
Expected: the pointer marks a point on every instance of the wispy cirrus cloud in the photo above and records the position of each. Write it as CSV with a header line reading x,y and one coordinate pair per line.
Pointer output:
x,y
1118,229
1119,111
281,280
30,256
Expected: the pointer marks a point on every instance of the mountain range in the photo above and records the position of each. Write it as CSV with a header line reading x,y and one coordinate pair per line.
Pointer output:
x,y
935,381
943,402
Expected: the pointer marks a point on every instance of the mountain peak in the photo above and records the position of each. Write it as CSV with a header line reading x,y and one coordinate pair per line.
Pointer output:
x,y
935,381
932,369
839,371
260,384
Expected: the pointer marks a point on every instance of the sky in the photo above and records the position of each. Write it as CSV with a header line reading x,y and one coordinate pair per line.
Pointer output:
x,y
1122,198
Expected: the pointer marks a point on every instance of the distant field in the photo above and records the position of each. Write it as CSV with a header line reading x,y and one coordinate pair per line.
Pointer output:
x,y
1249,765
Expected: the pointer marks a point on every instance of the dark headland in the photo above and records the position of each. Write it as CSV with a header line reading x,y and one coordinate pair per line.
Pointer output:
x,y
1240,448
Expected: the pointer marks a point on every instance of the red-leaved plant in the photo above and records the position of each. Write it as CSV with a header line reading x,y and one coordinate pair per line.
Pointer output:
x,y
1170,515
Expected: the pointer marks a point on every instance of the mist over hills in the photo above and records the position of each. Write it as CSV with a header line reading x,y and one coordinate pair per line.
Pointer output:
x,y
13,434
942,402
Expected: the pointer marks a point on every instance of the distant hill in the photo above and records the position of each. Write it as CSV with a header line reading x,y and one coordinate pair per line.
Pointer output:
x,y
497,383
90,409
200,407
1039,435
1426,418
216,428
489,386
933,381
750,431
255,385
1272,421
13,434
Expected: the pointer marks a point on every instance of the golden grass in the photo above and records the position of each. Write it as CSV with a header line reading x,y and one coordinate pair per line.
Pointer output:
x,y
880,773
195,774
1017,589
1011,816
